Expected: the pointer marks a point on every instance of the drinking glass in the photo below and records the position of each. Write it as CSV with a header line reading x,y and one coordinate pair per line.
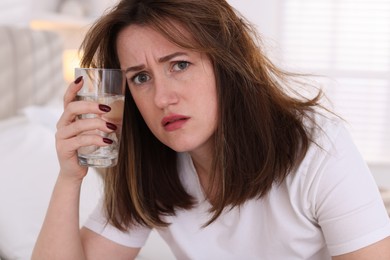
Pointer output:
x,y
104,86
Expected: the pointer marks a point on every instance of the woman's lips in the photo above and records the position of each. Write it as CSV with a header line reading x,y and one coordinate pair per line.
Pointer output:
x,y
173,122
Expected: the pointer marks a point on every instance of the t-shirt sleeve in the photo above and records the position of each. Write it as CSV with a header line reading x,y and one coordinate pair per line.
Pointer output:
x,y
135,237
347,202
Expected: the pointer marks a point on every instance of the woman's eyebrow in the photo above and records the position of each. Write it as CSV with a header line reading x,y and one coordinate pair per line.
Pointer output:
x,y
171,56
135,68
160,60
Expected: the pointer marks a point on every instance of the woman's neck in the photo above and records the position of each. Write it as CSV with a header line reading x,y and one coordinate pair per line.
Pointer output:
x,y
203,166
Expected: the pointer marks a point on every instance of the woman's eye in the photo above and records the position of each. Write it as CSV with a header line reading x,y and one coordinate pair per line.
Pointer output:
x,y
181,65
140,78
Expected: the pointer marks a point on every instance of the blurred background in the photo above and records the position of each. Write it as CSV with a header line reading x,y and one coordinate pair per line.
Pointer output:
x,y
345,41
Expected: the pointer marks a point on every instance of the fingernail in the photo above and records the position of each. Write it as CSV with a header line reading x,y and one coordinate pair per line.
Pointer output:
x,y
111,126
104,108
107,141
77,81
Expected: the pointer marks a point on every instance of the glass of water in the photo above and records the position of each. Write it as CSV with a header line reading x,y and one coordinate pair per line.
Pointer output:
x,y
104,86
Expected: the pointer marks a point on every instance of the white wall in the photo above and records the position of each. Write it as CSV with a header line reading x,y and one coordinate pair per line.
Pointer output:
x,y
15,12
261,13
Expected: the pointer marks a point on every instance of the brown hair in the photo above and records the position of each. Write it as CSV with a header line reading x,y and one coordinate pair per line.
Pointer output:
x,y
260,136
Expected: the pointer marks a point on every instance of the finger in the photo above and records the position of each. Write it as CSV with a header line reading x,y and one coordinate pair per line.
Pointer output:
x,y
72,90
68,148
76,108
115,115
85,125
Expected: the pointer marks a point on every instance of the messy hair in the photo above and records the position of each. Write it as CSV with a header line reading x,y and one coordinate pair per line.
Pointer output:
x,y
260,137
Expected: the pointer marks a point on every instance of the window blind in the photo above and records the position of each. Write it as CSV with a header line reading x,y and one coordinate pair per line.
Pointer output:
x,y
348,42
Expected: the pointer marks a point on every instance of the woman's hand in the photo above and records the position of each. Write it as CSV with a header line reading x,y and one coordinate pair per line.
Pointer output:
x,y
70,137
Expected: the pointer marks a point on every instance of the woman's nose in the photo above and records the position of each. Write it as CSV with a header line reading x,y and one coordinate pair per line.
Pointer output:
x,y
165,93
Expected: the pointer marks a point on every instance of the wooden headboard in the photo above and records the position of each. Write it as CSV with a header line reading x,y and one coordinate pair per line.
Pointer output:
x,y
30,68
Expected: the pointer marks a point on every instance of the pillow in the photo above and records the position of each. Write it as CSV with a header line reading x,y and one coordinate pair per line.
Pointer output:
x,y
46,116
29,169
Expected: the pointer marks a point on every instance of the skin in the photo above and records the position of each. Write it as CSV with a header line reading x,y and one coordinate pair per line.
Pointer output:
x,y
166,80
168,86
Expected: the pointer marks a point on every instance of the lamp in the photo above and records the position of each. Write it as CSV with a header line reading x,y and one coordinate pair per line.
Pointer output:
x,y
71,60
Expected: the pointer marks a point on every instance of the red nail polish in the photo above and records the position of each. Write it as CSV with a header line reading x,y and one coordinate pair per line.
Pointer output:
x,y
77,81
107,141
111,126
104,108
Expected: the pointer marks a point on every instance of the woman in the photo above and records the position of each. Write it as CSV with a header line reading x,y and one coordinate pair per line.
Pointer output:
x,y
215,154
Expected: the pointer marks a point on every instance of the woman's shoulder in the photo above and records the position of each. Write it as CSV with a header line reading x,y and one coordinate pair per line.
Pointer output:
x,y
324,127
330,146
332,154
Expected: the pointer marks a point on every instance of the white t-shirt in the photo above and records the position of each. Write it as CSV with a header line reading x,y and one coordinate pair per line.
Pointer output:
x,y
329,206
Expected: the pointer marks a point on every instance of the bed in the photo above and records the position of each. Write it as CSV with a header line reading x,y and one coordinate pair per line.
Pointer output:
x,y
31,87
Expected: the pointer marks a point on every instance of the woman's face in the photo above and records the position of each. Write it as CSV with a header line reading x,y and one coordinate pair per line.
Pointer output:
x,y
173,88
